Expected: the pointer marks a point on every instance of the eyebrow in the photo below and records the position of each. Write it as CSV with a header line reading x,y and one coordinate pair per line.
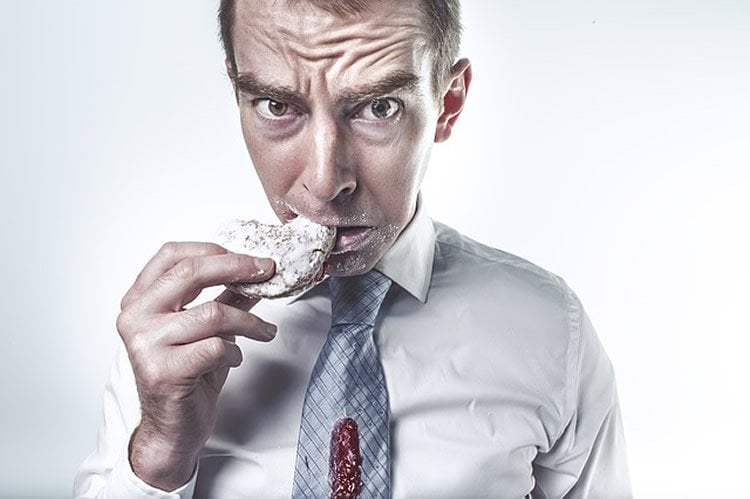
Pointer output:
x,y
251,84
396,81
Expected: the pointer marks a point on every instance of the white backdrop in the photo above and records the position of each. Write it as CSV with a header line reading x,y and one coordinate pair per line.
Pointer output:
x,y
606,141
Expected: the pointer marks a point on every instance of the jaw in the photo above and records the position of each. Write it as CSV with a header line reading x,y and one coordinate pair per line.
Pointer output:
x,y
364,256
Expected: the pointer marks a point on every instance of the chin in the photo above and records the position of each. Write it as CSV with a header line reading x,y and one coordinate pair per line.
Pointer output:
x,y
363,259
350,263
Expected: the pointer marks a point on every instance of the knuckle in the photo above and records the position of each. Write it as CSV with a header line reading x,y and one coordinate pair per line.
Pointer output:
x,y
139,347
147,367
210,313
235,261
169,249
185,269
211,249
125,301
212,349
215,347
149,375
124,324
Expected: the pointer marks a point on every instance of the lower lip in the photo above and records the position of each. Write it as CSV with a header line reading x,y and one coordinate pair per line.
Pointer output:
x,y
349,239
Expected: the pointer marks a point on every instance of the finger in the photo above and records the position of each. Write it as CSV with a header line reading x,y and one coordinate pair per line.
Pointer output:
x,y
164,259
213,319
183,282
236,300
202,357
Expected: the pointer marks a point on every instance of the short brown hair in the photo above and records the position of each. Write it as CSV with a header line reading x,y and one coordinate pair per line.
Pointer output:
x,y
442,22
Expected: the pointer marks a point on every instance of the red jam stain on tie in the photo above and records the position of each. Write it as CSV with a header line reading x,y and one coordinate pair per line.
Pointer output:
x,y
345,460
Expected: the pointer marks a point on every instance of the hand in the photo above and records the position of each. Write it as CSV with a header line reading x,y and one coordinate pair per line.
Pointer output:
x,y
180,357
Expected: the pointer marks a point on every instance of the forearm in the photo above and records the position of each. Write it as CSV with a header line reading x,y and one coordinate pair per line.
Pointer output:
x,y
107,472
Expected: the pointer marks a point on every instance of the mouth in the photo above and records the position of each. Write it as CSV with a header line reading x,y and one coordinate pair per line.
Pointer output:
x,y
350,238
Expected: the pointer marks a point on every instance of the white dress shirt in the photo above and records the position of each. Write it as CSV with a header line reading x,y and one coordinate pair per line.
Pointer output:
x,y
498,387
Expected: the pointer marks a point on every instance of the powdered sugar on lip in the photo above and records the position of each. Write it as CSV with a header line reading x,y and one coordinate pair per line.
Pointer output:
x,y
350,238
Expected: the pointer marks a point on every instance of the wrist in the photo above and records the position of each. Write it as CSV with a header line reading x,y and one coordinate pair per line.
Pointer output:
x,y
158,463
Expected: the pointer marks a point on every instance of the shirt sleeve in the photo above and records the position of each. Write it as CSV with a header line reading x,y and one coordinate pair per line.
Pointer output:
x,y
588,458
106,472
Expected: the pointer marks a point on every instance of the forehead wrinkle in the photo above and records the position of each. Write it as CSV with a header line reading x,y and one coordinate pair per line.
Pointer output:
x,y
365,31
398,54
317,50
329,37
285,50
360,62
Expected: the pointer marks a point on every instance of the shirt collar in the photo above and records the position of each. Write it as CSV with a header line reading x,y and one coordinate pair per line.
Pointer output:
x,y
408,262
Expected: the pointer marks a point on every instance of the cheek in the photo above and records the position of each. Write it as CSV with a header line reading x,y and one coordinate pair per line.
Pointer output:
x,y
397,172
410,156
276,163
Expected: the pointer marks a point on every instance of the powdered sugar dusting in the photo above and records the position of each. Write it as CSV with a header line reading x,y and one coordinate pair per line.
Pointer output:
x,y
298,247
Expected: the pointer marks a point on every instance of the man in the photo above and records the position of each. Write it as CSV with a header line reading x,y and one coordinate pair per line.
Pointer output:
x,y
496,383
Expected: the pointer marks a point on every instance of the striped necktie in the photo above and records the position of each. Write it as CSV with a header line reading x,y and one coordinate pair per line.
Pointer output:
x,y
344,442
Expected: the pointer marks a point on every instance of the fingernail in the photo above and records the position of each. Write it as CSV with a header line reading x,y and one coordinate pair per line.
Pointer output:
x,y
264,266
270,330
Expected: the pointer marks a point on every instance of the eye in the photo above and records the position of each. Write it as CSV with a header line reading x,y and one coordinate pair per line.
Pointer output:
x,y
270,109
380,109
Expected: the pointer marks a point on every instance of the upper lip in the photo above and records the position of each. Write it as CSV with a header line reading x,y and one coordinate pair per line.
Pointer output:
x,y
290,215
339,225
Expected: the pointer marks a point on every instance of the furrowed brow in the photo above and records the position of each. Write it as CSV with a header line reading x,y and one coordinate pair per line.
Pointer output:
x,y
250,84
398,80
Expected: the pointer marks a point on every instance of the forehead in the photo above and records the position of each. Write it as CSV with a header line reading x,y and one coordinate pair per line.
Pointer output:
x,y
300,45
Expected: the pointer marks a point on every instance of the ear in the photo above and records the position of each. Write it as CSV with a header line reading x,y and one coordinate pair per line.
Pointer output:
x,y
231,73
453,99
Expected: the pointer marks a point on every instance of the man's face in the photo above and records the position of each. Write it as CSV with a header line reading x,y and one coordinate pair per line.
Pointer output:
x,y
339,117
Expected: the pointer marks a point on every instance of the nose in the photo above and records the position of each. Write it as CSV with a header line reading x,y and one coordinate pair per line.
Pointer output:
x,y
328,173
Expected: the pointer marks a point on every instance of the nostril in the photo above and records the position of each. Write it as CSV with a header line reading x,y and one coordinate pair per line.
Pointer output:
x,y
331,190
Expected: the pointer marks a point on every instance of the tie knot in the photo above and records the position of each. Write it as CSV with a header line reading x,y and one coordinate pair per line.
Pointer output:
x,y
357,299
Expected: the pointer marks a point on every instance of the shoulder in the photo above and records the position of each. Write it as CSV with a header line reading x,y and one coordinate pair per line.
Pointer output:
x,y
518,298
507,291
524,310
477,265
520,313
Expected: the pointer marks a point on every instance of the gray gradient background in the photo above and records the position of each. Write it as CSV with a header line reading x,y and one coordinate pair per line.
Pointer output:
x,y
606,141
